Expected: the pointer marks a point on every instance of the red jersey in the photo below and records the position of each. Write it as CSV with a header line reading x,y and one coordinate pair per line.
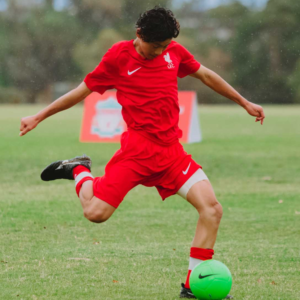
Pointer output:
x,y
146,89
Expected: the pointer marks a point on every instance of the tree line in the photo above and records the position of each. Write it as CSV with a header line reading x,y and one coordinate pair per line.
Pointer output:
x,y
258,52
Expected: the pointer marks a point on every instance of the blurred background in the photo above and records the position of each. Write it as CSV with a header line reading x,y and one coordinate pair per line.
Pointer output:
x,y
48,46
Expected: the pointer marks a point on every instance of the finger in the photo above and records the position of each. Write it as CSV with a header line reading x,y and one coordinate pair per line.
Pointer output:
x,y
262,113
259,119
24,131
22,126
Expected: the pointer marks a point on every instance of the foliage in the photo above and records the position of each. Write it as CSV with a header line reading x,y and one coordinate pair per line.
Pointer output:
x,y
40,47
88,55
294,81
12,95
265,51
255,51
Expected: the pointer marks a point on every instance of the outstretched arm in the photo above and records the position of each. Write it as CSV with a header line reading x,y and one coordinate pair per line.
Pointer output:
x,y
215,82
64,102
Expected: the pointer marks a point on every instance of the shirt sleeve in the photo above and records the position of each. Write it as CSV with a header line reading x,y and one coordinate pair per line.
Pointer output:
x,y
188,64
105,75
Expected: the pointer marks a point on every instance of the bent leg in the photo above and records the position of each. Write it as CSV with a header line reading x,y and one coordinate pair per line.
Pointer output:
x,y
94,209
101,196
202,197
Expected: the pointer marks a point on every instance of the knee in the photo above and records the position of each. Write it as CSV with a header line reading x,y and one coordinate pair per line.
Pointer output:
x,y
98,216
213,211
218,211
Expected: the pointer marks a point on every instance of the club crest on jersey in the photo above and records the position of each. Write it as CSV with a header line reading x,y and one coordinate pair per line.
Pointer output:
x,y
108,121
169,61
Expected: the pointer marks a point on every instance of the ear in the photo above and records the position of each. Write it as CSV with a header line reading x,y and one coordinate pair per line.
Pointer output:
x,y
137,33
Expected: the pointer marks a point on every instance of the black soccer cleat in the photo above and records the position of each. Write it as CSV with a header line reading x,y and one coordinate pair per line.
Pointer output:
x,y
63,169
187,293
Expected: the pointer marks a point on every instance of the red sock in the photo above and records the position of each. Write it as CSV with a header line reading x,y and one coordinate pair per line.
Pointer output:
x,y
81,174
197,256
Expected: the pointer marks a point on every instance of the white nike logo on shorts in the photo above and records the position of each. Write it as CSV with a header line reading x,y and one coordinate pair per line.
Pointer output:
x,y
130,73
185,172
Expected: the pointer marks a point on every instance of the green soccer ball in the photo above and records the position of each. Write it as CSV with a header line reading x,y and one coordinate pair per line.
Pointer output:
x,y
210,280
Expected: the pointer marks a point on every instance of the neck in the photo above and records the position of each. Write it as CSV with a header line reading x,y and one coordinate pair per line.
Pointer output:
x,y
136,44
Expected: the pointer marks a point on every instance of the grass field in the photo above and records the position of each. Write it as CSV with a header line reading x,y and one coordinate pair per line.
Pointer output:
x,y
49,251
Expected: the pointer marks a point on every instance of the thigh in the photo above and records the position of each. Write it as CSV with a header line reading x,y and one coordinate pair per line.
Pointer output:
x,y
117,181
127,168
197,176
201,195
176,177
98,205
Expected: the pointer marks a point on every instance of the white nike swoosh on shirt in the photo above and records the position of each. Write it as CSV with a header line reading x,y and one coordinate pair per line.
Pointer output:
x,y
129,73
185,172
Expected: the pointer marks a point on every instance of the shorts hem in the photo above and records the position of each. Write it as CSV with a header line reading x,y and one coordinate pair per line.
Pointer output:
x,y
187,178
171,193
198,176
111,202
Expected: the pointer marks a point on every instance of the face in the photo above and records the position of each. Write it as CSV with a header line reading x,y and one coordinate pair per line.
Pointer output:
x,y
152,50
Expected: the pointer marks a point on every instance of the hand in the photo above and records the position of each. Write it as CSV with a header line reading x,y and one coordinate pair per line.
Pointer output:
x,y
28,124
255,111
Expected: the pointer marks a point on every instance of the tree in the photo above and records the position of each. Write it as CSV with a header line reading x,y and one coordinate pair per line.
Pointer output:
x,y
40,50
88,55
294,81
265,51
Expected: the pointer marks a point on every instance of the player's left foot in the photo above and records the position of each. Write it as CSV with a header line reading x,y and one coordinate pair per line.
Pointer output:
x,y
187,293
63,169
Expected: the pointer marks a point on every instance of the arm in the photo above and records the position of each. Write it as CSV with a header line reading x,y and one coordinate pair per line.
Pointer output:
x,y
64,102
215,82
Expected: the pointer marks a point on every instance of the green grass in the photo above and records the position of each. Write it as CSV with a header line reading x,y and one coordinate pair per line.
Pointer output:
x,y
49,251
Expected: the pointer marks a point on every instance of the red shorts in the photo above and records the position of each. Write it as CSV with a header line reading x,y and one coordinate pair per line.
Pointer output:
x,y
142,161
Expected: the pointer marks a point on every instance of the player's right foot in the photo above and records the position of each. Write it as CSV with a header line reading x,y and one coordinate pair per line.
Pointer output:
x,y
187,293
63,169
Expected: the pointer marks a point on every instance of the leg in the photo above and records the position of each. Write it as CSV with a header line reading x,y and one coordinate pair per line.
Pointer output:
x,y
94,209
101,196
199,192
79,169
202,197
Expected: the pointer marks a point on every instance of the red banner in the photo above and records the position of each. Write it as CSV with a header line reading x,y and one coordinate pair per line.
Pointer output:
x,y
103,121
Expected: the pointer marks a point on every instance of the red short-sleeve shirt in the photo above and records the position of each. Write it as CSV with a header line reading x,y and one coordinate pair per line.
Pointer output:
x,y
146,89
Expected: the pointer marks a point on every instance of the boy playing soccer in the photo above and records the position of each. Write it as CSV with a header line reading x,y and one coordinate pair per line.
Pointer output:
x,y
144,72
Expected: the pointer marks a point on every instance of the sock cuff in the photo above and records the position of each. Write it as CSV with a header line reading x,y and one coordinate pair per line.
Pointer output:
x,y
201,253
81,176
77,170
80,183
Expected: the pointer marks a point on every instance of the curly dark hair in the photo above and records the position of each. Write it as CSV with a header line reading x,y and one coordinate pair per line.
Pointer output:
x,y
157,25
